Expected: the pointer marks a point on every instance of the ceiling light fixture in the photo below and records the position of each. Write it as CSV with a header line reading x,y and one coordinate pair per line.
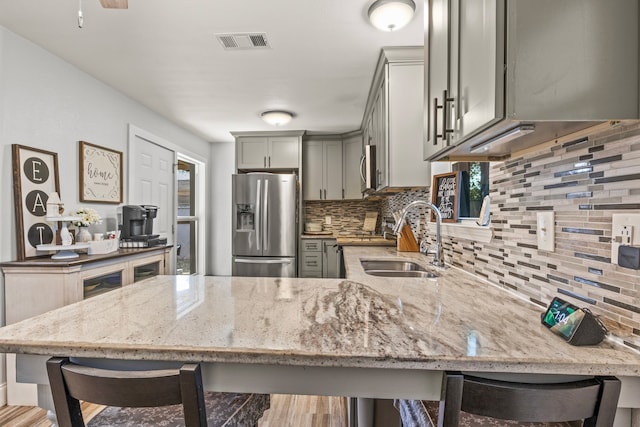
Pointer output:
x,y
391,15
277,117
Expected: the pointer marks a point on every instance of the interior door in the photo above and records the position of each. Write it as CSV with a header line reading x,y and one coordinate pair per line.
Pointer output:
x,y
152,182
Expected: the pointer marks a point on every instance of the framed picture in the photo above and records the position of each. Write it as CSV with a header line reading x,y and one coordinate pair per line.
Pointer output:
x,y
35,176
445,192
100,174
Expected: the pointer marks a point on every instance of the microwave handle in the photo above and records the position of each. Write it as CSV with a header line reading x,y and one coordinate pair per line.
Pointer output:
x,y
362,168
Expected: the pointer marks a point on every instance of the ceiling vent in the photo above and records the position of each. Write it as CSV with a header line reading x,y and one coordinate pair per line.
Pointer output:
x,y
243,41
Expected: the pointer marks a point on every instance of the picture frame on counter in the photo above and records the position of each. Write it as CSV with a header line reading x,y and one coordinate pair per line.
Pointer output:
x,y
445,195
35,177
100,174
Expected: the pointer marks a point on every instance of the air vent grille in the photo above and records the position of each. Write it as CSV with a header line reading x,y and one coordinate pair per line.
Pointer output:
x,y
237,41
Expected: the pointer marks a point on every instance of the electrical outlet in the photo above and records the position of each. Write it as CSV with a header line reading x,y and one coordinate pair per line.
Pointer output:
x,y
546,227
624,231
327,219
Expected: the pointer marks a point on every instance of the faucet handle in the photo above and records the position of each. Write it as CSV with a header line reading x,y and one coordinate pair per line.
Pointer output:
x,y
424,246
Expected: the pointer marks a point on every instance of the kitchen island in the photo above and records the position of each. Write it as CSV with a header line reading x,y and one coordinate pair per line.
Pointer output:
x,y
364,336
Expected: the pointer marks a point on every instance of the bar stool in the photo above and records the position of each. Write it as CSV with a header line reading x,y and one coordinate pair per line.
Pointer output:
x,y
71,383
592,400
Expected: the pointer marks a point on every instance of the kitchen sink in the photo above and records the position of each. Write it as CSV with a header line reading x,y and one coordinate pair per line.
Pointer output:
x,y
400,273
395,268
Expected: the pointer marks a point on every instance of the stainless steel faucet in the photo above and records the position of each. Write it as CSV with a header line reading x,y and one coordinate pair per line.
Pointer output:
x,y
438,252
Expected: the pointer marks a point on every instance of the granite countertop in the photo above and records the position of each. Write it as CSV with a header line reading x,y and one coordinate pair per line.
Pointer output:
x,y
456,321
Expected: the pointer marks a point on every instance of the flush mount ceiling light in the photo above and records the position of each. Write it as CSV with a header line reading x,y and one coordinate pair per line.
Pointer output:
x,y
277,117
391,15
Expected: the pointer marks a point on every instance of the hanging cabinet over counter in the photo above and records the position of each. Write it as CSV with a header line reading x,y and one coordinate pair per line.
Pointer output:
x,y
393,119
264,151
322,169
504,76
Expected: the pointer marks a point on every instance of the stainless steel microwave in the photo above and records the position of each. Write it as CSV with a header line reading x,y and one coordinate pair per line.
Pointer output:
x,y
368,169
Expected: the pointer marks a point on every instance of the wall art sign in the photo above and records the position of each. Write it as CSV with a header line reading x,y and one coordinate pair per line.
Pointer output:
x,y
444,195
100,174
35,176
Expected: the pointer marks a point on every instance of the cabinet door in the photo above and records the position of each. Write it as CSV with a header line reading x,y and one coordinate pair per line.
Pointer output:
x,y
312,157
330,259
332,161
251,152
283,152
378,125
351,156
437,78
481,65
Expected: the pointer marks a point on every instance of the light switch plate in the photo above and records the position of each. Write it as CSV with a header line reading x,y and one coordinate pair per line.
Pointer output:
x,y
625,230
546,231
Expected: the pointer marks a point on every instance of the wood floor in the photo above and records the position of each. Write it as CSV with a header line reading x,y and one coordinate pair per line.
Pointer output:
x,y
285,411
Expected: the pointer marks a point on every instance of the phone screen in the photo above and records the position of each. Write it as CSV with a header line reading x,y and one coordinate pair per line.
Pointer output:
x,y
562,317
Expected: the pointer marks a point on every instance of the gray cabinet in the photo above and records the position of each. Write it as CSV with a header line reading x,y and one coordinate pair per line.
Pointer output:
x,y
436,82
520,73
351,166
393,120
265,152
330,266
319,258
322,170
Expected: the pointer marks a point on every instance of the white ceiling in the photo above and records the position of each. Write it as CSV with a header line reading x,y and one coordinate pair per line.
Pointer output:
x,y
164,54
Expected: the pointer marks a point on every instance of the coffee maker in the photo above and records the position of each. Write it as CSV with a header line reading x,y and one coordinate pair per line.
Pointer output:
x,y
136,226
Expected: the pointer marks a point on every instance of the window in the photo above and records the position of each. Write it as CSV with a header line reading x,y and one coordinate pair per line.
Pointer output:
x,y
186,239
473,187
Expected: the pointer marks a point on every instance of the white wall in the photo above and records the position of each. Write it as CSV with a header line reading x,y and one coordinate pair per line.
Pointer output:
x,y
222,167
47,103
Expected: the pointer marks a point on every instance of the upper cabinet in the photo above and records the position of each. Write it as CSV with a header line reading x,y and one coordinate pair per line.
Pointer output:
x,y
393,119
267,151
322,169
331,166
505,76
352,165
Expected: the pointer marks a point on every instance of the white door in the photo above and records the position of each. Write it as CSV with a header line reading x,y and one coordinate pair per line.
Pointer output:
x,y
152,182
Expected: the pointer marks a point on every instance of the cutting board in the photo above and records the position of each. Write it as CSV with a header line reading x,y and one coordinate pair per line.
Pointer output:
x,y
370,221
407,241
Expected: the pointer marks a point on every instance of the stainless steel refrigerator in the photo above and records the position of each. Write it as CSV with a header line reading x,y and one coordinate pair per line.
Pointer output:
x,y
264,224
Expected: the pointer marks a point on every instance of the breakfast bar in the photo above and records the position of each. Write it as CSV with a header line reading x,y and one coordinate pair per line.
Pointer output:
x,y
364,336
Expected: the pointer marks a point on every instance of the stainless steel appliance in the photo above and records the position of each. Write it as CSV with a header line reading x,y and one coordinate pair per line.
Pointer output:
x,y
264,224
368,169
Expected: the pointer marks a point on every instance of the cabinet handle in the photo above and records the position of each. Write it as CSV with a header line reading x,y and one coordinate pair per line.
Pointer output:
x,y
321,194
436,107
269,161
264,161
343,194
445,118
325,194
445,101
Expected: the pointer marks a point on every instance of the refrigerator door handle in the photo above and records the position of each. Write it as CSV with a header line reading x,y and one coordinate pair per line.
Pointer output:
x,y
258,215
262,261
265,215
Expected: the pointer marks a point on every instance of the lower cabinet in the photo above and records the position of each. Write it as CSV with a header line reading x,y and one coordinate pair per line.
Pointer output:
x,y
319,258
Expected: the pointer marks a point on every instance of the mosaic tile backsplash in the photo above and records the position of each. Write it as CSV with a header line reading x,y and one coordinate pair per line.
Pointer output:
x,y
584,182
347,216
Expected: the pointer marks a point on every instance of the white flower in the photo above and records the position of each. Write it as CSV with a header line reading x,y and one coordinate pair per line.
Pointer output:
x,y
87,216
